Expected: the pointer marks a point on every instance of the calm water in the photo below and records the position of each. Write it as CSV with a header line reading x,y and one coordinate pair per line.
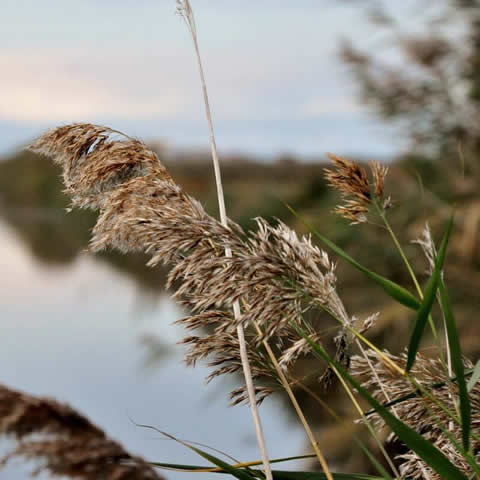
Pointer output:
x,y
74,333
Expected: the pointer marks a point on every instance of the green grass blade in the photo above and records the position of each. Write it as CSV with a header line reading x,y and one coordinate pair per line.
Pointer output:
x,y
375,463
180,466
424,449
475,377
457,364
256,462
236,472
428,299
285,475
239,473
394,290
277,474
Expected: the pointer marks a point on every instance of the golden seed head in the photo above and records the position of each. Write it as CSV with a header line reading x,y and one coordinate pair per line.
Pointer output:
x,y
358,192
274,274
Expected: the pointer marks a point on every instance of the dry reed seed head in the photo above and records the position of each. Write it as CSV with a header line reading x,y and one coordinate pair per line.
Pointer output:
x,y
349,178
298,348
428,247
240,395
64,441
420,412
379,172
358,192
222,352
276,276
369,322
273,274
95,160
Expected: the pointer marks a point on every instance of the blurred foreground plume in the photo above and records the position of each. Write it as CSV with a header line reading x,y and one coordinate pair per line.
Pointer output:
x,y
275,275
64,441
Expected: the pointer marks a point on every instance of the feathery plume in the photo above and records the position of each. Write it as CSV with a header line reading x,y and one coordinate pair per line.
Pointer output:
x,y
275,275
66,442
428,247
358,192
94,160
420,412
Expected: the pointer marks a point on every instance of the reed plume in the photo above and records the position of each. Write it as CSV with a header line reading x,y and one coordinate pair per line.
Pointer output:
x,y
420,412
64,441
359,191
275,275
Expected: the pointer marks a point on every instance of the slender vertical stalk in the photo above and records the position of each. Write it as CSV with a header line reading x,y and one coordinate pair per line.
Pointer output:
x,y
367,422
387,398
414,279
295,404
184,8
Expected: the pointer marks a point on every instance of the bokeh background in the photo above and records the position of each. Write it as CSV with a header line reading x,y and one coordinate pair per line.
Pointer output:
x,y
397,82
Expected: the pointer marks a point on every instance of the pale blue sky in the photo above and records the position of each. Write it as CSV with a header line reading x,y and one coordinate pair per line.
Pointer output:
x,y
276,84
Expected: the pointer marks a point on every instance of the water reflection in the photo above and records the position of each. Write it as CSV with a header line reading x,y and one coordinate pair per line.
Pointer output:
x,y
74,333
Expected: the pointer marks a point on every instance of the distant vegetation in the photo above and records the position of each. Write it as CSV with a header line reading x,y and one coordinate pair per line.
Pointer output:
x,y
31,200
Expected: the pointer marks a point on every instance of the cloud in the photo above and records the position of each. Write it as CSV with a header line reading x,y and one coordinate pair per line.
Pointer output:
x,y
55,85
49,87
273,77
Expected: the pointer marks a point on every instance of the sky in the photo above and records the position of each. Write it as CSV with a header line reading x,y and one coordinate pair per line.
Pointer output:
x,y
275,81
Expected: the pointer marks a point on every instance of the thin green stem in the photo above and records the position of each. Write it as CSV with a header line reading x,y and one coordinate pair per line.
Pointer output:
x,y
401,252
367,422
414,279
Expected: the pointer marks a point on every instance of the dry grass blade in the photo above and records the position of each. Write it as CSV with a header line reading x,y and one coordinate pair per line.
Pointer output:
x,y
184,9
64,441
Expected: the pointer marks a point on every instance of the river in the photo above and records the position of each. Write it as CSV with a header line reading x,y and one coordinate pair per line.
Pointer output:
x,y
75,333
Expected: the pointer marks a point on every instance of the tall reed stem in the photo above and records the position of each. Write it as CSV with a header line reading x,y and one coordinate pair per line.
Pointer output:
x,y
295,404
187,14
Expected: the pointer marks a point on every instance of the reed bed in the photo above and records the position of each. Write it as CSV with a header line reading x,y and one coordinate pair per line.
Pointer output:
x,y
278,278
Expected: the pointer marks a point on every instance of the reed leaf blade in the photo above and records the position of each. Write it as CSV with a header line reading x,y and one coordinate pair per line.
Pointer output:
x,y
428,299
423,448
277,474
457,364
397,292
475,376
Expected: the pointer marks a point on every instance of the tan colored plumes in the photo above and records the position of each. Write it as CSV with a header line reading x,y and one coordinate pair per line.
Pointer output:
x,y
64,441
420,412
275,275
95,160
358,192
221,349
428,247
349,178
297,349
379,172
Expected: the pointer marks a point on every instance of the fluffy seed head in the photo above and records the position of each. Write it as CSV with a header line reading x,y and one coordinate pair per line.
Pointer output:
x,y
67,443
275,275
358,192
420,412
